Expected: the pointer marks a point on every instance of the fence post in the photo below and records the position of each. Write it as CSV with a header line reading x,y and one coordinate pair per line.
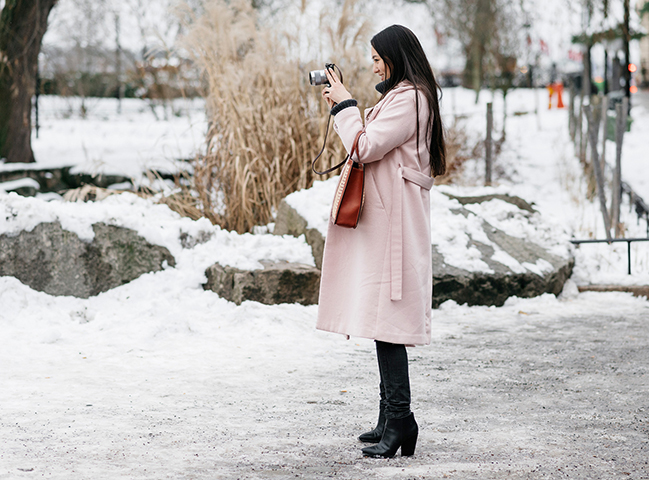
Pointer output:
x,y
118,65
571,111
604,117
580,131
620,126
537,109
37,94
488,143
593,130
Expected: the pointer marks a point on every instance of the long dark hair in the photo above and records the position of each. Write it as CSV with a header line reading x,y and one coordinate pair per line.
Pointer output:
x,y
403,55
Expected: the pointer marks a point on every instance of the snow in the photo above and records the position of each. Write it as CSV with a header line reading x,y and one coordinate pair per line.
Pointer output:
x,y
159,378
146,135
21,183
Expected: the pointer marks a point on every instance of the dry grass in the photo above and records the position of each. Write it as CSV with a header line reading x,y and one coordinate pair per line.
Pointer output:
x,y
266,122
88,193
181,200
458,152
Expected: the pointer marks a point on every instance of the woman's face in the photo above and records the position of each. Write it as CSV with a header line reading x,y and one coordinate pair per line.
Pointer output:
x,y
379,66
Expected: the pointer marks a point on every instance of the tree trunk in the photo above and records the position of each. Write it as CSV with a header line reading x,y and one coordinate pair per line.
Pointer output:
x,y
22,26
482,34
586,84
627,59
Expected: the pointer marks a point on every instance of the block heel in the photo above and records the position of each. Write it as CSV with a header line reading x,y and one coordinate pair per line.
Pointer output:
x,y
399,433
408,445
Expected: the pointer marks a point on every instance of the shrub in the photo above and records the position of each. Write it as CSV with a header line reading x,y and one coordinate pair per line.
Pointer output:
x,y
266,123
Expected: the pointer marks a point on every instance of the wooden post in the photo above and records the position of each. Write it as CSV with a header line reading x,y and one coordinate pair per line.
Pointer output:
x,y
578,126
604,117
37,94
537,109
593,130
118,65
571,111
580,131
488,143
620,127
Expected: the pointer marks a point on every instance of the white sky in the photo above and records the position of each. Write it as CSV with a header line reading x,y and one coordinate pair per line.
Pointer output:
x,y
148,23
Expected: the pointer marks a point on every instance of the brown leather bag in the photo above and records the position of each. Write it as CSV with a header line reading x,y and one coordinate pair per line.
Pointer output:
x,y
350,193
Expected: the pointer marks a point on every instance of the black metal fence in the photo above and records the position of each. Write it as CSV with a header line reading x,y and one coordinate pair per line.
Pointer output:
x,y
613,240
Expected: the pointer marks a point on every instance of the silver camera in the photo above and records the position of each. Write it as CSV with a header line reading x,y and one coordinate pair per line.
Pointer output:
x,y
319,77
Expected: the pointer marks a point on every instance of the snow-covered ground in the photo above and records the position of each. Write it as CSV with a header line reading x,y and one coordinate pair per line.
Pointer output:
x,y
145,135
161,379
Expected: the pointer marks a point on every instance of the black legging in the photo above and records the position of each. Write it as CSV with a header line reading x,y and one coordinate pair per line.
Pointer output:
x,y
395,383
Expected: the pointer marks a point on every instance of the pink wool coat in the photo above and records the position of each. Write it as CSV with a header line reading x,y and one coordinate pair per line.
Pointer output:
x,y
377,279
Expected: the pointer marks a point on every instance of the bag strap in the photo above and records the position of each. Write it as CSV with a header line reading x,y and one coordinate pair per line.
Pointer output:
x,y
350,155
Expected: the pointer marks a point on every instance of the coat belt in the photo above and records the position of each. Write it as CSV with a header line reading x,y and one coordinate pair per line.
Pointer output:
x,y
404,174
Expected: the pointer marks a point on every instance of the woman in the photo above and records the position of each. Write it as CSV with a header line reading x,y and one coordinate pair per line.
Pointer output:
x,y
377,279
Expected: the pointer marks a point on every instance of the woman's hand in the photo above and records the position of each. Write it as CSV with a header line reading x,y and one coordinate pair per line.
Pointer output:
x,y
337,92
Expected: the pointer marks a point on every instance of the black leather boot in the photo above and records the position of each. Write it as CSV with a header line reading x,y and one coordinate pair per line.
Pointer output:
x,y
399,432
375,435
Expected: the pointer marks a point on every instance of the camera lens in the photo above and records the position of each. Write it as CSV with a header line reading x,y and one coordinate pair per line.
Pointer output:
x,y
317,77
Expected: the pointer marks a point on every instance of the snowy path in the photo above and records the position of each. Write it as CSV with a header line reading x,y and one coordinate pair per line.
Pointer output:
x,y
539,388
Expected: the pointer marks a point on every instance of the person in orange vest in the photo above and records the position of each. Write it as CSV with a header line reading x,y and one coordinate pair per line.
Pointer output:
x,y
556,87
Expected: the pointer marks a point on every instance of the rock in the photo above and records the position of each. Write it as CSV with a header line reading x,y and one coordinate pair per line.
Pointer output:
x,y
55,261
190,241
482,288
274,284
514,200
289,222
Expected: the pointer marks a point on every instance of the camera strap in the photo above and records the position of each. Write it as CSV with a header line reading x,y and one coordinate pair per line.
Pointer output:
x,y
349,155
328,66
329,170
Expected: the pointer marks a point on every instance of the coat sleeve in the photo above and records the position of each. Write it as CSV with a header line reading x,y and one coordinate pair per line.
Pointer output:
x,y
392,127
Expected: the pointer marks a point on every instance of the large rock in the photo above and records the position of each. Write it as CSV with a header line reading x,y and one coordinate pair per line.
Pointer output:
x,y
289,222
274,284
531,271
493,288
536,271
55,261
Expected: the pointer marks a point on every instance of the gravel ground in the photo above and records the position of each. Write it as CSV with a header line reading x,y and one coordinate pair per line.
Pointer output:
x,y
529,390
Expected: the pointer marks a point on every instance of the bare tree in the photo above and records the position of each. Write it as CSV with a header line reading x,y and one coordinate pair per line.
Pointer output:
x,y
22,26
484,28
481,29
87,28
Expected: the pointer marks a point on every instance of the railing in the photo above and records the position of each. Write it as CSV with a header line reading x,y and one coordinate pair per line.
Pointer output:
x,y
627,240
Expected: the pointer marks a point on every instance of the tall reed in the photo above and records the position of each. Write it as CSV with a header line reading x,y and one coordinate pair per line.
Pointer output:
x,y
266,123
